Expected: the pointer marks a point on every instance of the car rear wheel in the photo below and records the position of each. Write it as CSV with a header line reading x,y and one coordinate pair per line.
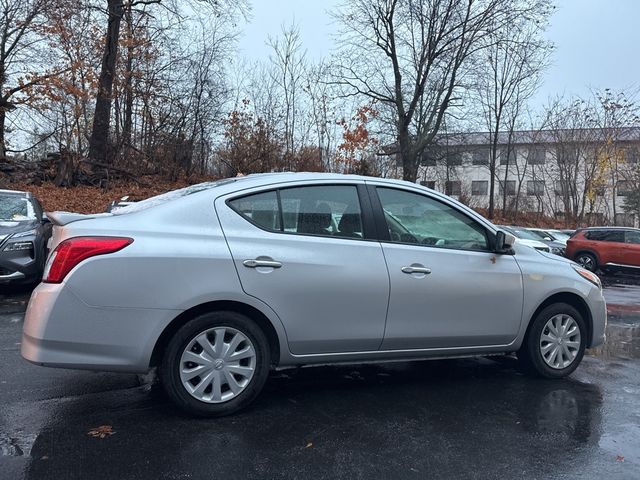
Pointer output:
x,y
555,343
216,364
588,261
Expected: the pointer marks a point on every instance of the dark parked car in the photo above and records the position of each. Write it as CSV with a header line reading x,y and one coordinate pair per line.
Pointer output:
x,y
24,233
606,247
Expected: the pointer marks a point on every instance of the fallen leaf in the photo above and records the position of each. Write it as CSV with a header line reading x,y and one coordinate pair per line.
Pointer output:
x,y
619,458
101,432
309,445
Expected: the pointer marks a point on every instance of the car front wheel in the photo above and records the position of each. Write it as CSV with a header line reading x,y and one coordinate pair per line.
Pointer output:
x,y
555,343
588,261
216,364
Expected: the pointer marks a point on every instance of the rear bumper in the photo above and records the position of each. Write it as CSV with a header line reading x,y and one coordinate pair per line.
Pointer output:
x,y
62,331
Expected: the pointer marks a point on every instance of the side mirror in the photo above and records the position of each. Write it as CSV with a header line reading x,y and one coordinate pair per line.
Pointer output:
x,y
504,242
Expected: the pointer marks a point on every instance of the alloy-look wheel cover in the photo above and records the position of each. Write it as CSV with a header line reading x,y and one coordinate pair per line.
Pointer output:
x,y
217,364
587,262
560,341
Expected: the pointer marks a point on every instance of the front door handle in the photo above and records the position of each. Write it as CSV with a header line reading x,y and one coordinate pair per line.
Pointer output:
x,y
410,270
255,263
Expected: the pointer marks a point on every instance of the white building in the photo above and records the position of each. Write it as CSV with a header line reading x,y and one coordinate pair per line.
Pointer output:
x,y
583,175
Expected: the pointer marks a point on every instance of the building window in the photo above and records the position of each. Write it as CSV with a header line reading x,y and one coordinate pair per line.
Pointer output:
x,y
454,158
511,187
452,187
479,187
428,158
631,156
535,187
625,219
480,156
429,184
536,156
624,188
508,156
559,188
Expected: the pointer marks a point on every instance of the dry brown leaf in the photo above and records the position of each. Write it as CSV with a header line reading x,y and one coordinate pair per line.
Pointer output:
x,y
309,445
101,432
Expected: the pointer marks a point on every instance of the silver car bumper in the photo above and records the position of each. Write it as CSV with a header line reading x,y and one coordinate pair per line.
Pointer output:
x,y
115,339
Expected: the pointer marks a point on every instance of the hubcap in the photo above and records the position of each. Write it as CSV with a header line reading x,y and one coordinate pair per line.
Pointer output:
x,y
217,364
586,262
560,341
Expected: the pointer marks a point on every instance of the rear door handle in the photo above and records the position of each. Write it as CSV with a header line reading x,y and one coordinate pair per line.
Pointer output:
x,y
410,270
255,263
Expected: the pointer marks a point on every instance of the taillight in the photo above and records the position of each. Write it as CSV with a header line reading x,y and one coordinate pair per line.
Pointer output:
x,y
72,251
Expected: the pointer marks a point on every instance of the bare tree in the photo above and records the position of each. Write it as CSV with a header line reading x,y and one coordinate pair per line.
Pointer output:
x,y
18,36
515,57
289,67
412,56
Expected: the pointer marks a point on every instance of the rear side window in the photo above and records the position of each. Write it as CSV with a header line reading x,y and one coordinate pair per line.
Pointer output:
x,y
326,210
261,209
605,235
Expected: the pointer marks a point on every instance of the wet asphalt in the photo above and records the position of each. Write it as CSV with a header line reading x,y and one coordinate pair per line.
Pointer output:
x,y
477,418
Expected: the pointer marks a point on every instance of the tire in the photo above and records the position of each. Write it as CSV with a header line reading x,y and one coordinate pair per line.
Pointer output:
x,y
587,260
198,339
531,356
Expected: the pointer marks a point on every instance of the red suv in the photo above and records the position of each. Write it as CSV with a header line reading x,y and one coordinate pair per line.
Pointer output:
x,y
605,247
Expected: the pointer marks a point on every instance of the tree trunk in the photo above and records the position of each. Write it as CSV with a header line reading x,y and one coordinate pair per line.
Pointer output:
x,y
100,133
408,155
128,85
3,146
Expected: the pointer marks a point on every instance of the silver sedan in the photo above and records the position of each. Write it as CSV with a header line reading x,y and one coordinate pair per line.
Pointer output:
x,y
218,283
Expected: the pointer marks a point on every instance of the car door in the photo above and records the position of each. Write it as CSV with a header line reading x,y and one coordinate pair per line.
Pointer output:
x,y
613,247
447,288
632,248
305,251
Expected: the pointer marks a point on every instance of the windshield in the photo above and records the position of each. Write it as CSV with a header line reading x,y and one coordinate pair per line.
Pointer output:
x,y
166,197
560,235
14,208
541,235
521,233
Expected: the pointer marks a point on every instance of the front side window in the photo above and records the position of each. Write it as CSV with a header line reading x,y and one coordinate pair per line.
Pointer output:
x,y
632,236
415,218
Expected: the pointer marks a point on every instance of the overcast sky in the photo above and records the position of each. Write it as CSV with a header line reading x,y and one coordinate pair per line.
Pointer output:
x,y
597,41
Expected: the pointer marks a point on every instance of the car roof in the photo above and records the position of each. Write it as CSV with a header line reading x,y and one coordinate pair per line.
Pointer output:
x,y
609,228
15,193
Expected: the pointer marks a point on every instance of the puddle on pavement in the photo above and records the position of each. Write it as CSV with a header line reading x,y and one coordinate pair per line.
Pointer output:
x,y
623,341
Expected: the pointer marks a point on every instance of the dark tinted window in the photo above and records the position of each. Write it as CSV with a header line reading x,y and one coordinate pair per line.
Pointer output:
x,y
632,236
605,235
315,210
260,208
322,210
